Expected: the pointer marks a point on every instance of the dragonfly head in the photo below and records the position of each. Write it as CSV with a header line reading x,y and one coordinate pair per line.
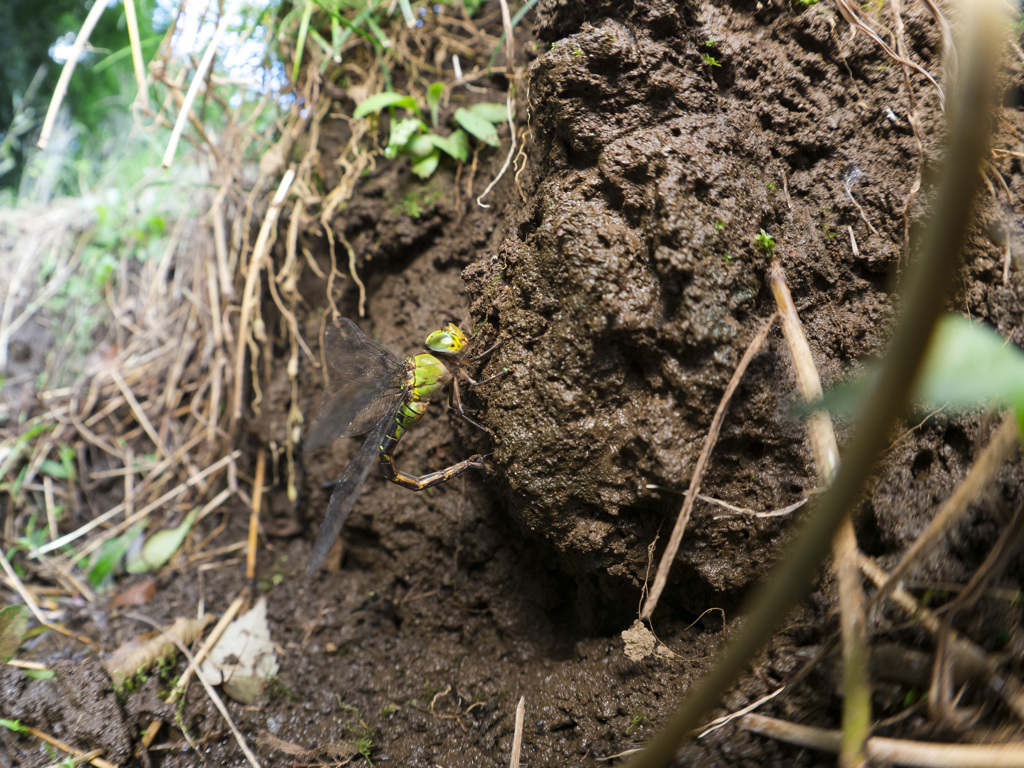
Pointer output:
x,y
447,341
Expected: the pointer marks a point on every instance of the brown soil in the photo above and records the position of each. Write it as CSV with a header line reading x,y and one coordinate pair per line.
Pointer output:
x,y
623,287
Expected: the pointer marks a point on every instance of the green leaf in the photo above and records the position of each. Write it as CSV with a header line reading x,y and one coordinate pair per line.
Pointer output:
x,y
13,622
406,7
967,365
425,167
110,555
434,94
401,133
970,364
421,145
300,43
456,145
491,112
39,674
13,725
161,546
54,469
477,126
381,101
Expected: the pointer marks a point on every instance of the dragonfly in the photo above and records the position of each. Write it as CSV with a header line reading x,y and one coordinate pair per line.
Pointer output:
x,y
371,390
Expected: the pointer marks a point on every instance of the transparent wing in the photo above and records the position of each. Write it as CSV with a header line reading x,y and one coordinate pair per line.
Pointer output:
x,y
365,382
345,493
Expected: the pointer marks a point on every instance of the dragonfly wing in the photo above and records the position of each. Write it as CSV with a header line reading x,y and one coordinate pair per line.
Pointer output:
x,y
348,409
344,496
351,355
366,381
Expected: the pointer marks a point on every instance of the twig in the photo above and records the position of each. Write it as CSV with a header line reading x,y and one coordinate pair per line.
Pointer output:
x,y
217,701
853,624
99,762
254,513
999,448
259,252
517,738
193,90
882,750
181,687
69,69
669,555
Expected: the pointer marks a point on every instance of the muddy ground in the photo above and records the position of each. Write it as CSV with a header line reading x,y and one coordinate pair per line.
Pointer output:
x,y
620,274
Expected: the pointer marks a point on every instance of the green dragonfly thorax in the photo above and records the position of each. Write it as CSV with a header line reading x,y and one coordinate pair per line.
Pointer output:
x,y
426,377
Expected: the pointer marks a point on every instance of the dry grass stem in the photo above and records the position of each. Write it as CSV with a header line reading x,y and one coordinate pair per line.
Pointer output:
x,y
254,513
971,659
185,108
894,751
1002,444
517,738
853,621
99,762
669,555
210,692
61,89
260,259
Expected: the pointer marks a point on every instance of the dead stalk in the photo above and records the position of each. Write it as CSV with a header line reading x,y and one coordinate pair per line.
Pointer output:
x,y
672,548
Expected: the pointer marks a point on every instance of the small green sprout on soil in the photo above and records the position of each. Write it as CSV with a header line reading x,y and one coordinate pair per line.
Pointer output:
x,y
709,60
412,137
719,225
765,242
635,720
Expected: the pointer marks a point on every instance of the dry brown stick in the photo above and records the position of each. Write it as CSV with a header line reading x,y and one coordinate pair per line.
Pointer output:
x,y
254,513
217,701
669,555
856,718
968,656
69,68
193,90
181,687
896,751
999,448
259,252
99,762
517,738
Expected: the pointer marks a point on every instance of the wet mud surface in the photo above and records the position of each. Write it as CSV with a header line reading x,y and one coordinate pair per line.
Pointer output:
x,y
621,276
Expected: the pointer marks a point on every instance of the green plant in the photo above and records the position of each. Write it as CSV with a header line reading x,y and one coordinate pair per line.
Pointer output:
x,y
719,225
765,242
635,720
411,136
709,60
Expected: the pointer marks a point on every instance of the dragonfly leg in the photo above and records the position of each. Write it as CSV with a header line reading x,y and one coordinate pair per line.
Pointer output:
x,y
474,383
455,403
429,480
482,355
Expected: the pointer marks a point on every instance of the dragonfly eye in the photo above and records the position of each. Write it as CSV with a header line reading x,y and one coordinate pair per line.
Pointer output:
x,y
449,340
